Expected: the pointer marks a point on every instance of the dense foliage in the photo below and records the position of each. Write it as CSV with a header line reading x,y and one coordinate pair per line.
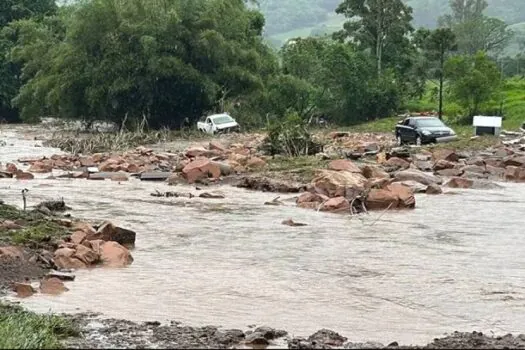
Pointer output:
x,y
166,62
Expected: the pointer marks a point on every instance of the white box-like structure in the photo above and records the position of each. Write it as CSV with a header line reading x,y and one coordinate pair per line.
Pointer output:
x,y
484,125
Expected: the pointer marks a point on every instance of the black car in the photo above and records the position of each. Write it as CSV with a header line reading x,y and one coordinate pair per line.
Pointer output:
x,y
421,130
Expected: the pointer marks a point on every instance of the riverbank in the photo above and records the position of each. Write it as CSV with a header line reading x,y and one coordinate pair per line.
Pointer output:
x,y
199,256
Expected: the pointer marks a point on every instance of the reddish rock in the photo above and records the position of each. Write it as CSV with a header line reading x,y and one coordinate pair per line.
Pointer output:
x,y
86,255
12,252
443,164
405,195
460,182
85,227
132,168
343,165
309,197
23,290
65,262
255,163
445,154
11,168
87,161
374,172
378,199
52,286
10,225
41,167
339,183
309,205
397,162
337,204
196,152
511,173
394,196
78,237
199,169
434,189
114,255
22,175
95,245
214,145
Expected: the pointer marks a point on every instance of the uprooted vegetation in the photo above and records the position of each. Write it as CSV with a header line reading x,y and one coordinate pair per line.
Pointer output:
x,y
20,329
88,142
27,227
290,138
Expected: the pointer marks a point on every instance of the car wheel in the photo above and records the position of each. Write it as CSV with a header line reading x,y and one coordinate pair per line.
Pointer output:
x,y
418,141
399,140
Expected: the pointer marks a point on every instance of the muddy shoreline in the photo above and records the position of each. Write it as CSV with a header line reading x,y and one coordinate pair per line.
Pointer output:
x,y
100,333
469,169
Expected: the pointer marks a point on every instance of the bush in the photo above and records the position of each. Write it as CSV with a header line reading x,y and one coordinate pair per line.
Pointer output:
x,y
290,138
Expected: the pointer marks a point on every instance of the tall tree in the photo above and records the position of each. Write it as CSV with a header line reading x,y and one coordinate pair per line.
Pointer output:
x,y
378,25
437,46
475,31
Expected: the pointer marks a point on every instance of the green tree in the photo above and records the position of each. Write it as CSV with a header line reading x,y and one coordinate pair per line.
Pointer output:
x,y
437,46
133,59
474,31
474,80
13,10
380,26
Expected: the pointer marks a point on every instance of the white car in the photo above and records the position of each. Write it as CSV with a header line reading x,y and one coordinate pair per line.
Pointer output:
x,y
218,123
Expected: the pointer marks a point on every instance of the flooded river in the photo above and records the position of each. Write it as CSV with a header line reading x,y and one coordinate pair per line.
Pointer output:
x,y
454,263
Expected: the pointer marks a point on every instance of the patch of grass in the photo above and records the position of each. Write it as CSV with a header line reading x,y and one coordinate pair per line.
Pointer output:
x,y
37,228
301,168
21,329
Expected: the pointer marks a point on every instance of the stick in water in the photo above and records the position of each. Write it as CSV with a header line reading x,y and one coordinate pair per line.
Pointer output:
x,y
24,191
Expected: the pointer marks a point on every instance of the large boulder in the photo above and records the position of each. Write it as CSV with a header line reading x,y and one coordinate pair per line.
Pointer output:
x,y
343,165
394,196
374,172
397,163
86,255
52,286
336,205
418,176
443,164
201,169
113,254
109,232
23,290
65,258
445,154
333,183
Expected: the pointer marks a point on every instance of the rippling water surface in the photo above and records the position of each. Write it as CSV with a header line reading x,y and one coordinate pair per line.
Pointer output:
x,y
454,263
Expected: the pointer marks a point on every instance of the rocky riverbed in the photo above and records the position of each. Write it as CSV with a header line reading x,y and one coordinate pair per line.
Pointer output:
x,y
184,213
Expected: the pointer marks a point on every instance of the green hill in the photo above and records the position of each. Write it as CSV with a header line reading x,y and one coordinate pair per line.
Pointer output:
x,y
293,18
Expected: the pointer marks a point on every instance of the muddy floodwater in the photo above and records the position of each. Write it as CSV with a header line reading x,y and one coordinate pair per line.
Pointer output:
x,y
454,263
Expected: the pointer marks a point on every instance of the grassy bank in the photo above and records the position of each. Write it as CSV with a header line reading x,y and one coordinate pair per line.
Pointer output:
x,y
20,329
34,228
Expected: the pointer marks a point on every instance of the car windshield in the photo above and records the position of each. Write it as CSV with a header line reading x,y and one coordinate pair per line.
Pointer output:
x,y
223,119
429,122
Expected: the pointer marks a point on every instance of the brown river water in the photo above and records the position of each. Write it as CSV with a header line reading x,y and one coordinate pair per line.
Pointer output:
x,y
454,263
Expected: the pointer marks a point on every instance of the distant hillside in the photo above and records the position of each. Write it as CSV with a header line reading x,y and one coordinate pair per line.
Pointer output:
x,y
292,18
